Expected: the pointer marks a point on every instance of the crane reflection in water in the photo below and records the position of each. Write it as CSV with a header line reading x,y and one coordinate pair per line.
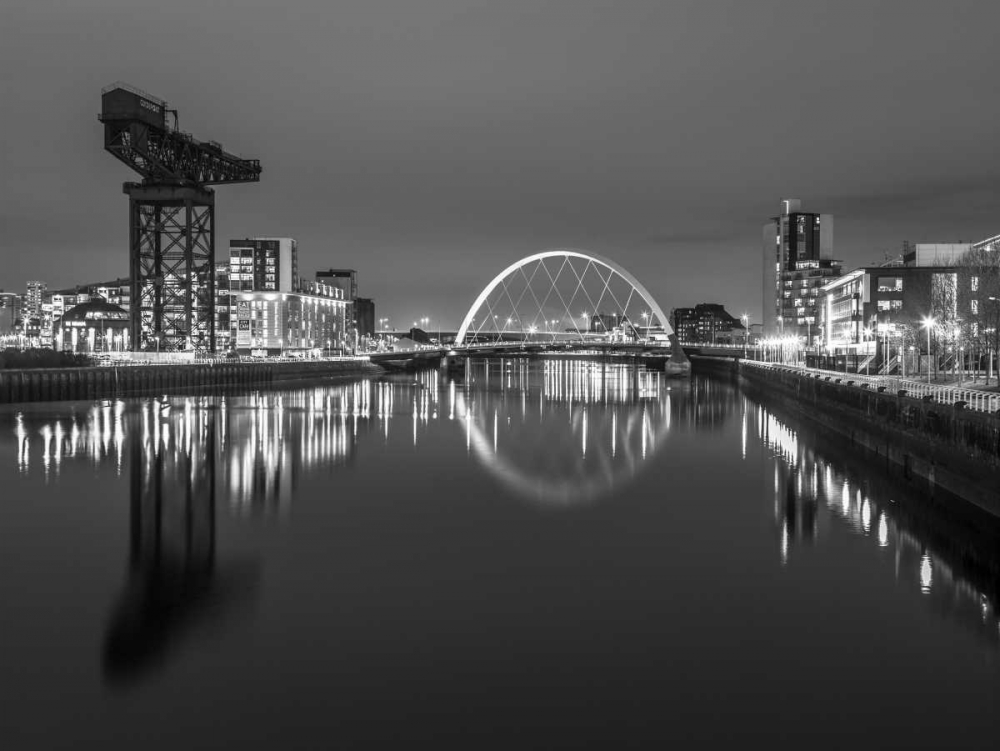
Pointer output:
x,y
555,433
177,586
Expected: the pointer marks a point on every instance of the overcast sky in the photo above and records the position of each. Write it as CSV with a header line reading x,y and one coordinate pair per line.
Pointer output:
x,y
430,143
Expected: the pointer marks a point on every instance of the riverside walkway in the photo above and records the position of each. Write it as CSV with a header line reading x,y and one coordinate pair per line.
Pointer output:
x,y
975,399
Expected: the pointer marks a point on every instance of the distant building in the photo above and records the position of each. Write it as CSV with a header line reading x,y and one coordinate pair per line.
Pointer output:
x,y
259,264
934,254
707,323
10,312
877,310
223,333
33,299
45,323
416,335
798,261
606,322
360,310
94,326
343,279
62,302
303,322
264,264
115,291
405,344
990,244
364,316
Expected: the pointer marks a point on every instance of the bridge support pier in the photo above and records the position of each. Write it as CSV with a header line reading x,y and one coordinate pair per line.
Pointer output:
x,y
452,364
678,366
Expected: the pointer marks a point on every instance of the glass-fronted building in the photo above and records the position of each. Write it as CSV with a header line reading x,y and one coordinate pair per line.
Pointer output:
x,y
308,322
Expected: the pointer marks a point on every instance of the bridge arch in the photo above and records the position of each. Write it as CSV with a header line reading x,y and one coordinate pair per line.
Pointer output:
x,y
614,296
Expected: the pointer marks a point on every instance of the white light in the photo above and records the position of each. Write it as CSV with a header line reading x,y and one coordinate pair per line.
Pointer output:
x,y
926,574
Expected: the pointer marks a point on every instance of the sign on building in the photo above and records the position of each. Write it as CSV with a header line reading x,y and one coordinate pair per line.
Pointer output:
x,y
243,323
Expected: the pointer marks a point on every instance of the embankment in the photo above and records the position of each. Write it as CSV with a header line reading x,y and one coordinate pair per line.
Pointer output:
x,y
950,447
56,384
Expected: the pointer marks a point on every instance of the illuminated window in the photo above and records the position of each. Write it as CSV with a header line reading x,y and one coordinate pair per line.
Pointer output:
x,y
975,284
974,304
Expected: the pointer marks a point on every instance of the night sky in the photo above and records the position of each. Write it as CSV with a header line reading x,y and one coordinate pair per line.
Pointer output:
x,y
429,144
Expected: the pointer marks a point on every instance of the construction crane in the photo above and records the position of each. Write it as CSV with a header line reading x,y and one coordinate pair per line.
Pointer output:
x,y
171,218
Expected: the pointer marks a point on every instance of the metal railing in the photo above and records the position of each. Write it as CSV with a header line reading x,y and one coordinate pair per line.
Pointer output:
x,y
975,399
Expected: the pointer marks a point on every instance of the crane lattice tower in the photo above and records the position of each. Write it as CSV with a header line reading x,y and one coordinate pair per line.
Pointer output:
x,y
171,218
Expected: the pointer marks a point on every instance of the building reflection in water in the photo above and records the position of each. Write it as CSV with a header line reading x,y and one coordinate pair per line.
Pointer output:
x,y
561,432
554,432
557,432
954,567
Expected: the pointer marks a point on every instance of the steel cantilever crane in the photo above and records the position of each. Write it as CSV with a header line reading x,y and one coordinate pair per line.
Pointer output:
x,y
171,218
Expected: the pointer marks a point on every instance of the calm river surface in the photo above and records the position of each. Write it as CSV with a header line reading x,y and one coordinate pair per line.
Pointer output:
x,y
528,556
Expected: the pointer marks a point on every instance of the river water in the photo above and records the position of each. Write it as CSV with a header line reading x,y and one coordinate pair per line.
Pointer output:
x,y
534,555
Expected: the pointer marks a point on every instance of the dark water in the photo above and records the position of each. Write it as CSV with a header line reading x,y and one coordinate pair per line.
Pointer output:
x,y
538,557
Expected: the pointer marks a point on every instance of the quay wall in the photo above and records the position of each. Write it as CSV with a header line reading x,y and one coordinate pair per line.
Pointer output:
x,y
58,384
945,445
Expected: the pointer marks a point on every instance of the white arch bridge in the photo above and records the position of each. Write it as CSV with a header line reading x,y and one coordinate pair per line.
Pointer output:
x,y
563,298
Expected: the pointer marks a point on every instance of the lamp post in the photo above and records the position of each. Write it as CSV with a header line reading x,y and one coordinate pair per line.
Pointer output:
x,y
868,335
928,323
745,320
989,354
956,369
885,347
990,340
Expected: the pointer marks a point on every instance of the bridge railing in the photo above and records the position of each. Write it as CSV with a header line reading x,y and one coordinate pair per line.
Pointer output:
x,y
975,399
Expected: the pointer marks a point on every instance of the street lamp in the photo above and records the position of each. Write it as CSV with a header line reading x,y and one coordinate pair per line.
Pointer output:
x,y
868,333
745,320
957,351
928,323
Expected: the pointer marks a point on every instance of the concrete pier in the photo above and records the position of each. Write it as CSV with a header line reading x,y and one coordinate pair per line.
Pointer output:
x,y
943,445
59,384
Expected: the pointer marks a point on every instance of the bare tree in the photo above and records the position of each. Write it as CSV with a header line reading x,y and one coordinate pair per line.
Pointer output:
x,y
983,317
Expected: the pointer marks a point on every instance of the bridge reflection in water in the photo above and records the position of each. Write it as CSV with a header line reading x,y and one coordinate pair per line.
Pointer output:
x,y
557,434
561,433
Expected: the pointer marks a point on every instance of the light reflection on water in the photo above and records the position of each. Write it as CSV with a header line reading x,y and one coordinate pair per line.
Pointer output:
x,y
559,435
600,425
810,491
